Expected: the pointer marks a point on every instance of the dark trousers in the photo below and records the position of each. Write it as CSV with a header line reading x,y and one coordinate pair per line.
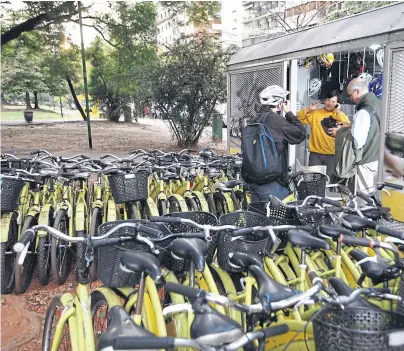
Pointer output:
x,y
316,159
262,192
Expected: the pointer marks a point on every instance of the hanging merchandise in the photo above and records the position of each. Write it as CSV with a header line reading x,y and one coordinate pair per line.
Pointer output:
x,y
376,86
358,63
380,57
366,76
309,62
326,60
314,86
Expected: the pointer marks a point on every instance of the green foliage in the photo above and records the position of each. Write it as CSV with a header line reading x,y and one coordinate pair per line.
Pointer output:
x,y
354,7
189,82
200,12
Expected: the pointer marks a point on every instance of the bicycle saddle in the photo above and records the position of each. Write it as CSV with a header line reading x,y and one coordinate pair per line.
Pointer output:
x,y
357,223
343,289
214,174
170,175
268,288
120,324
214,329
245,259
334,231
373,214
305,240
190,249
233,183
138,261
373,270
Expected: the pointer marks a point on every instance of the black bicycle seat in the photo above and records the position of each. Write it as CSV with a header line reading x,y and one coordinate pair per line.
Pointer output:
x,y
233,183
214,174
138,261
268,288
305,240
120,325
190,249
170,175
356,223
343,289
334,231
214,329
245,259
373,270
373,214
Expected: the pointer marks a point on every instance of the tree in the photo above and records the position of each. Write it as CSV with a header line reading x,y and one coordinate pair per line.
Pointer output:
x,y
200,12
354,7
188,84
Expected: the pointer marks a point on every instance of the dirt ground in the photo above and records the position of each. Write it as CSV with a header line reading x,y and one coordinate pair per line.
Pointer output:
x,y
107,137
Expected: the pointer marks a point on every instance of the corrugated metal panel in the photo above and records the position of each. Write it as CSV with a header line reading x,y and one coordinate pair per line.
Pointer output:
x,y
382,25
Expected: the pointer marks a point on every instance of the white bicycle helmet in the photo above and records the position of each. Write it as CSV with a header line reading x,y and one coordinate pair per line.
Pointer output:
x,y
314,86
380,57
366,77
273,95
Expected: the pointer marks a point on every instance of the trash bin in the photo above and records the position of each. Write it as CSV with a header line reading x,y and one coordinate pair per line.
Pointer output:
x,y
28,115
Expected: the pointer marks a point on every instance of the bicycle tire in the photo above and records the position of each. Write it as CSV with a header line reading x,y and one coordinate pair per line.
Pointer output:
x,y
51,317
236,203
7,258
61,272
92,273
24,273
80,260
98,301
135,212
211,203
162,206
43,263
220,200
192,205
43,255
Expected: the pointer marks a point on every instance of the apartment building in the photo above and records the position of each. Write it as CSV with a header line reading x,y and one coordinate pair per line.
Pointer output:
x,y
173,26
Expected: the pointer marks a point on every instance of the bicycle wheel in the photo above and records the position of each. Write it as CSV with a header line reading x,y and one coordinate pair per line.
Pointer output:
x,y
44,265
162,206
191,204
220,202
24,273
61,256
211,203
7,257
96,221
99,312
53,315
80,260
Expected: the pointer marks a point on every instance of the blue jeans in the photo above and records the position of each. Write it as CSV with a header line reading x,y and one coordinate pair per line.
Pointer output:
x,y
262,192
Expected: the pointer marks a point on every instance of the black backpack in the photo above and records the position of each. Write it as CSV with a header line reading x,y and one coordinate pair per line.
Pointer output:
x,y
261,161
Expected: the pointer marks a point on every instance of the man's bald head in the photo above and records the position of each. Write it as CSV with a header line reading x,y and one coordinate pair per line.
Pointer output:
x,y
356,88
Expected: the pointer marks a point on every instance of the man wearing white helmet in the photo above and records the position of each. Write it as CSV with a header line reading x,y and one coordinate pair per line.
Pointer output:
x,y
283,130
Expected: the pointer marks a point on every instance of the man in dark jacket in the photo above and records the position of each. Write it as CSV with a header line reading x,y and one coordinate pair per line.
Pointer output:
x,y
284,130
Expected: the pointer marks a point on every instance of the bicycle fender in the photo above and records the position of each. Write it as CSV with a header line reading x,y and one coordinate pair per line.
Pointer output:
x,y
5,226
80,217
112,298
44,219
33,211
111,213
229,201
181,201
152,207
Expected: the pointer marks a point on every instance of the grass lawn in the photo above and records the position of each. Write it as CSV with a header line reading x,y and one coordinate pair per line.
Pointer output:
x,y
16,113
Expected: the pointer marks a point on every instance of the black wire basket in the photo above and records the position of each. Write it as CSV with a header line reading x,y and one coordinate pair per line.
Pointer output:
x,y
109,271
279,216
10,193
310,184
227,244
200,217
358,329
129,187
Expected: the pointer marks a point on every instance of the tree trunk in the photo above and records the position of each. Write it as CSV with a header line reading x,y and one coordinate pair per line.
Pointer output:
x,y
27,101
127,114
76,101
36,100
61,107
